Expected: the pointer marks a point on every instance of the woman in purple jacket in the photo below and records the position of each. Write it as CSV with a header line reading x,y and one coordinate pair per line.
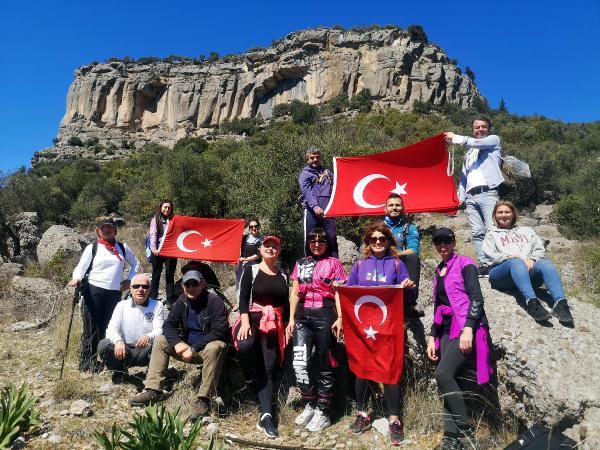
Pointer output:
x,y
459,332
380,266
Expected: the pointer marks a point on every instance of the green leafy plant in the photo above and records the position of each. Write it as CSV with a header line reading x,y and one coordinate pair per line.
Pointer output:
x,y
157,429
17,413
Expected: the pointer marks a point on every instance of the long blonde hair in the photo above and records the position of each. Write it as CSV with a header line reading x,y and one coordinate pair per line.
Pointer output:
x,y
511,206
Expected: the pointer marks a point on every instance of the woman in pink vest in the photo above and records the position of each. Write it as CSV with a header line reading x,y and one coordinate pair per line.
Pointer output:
x,y
459,334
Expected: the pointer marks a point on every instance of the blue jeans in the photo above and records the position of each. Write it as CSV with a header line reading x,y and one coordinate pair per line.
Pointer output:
x,y
513,273
479,212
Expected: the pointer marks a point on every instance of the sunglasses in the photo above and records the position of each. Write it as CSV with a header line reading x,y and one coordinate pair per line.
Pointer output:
x,y
140,286
254,226
375,240
317,241
443,241
191,283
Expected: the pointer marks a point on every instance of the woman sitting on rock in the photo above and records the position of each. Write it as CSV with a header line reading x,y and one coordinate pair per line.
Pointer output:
x,y
101,266
314,313
259,333
515,255
381,266
459,331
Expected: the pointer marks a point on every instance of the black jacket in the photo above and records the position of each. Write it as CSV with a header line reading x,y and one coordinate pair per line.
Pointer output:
x,y
212,318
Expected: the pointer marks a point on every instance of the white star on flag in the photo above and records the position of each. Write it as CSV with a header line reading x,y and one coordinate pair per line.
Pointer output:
x,y
399,189
206,243
371,333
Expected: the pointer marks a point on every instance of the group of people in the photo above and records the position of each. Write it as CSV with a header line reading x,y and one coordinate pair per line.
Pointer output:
x,y
138,330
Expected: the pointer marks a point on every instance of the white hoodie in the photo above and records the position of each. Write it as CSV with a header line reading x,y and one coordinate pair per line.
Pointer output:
x,y
522,242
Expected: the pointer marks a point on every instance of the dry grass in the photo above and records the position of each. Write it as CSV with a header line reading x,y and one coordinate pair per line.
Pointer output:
x,y
588,281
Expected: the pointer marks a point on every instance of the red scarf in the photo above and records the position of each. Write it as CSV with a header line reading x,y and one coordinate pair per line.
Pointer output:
x,y
111,246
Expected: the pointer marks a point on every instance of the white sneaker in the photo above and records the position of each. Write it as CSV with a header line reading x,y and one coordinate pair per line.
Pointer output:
x,y
305,416
319,421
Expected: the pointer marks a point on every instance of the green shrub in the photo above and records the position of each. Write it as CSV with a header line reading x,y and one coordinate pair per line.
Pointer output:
x,y
417,33
194,144
303,113
76,141
282,109
91,142
246,125
157,429
363,101
17,413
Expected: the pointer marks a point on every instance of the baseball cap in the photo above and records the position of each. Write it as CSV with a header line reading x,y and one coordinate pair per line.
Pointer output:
x,y
192,275
272,238
444,234
106,221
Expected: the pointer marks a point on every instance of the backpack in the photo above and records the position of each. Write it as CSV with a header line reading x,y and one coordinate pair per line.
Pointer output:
x,y
148,249
255,270
541,438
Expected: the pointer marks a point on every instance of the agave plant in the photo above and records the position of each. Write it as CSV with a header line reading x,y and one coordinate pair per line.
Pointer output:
x,y
157,429
17,413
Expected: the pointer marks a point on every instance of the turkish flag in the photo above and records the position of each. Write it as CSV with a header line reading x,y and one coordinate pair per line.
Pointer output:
x,y
418,173
200,238
373,319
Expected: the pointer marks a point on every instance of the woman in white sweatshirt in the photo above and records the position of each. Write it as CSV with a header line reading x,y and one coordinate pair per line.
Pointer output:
x,y
515,256
101,269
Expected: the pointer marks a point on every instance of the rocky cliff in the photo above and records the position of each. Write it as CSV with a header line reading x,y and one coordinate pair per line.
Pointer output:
x,y
125,105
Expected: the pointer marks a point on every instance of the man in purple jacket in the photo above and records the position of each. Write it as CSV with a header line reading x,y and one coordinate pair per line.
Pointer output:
x,y
315,184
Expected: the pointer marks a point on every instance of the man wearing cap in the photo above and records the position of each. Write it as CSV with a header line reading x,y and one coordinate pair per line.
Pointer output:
x,y
480,178
408,243
196,331
134,324
316,184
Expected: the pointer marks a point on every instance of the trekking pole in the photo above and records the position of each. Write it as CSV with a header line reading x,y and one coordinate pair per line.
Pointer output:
x,y
74,303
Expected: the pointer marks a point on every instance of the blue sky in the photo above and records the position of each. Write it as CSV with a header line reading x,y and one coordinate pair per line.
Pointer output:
x,y
542,57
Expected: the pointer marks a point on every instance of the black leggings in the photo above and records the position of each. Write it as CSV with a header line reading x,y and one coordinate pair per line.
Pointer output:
x,y
98,306
391,392
313,329
451,363
259,355
157,266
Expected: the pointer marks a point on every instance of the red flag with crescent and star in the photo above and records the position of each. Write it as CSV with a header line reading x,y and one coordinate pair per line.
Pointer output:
x,y
419,173
200,238
373,319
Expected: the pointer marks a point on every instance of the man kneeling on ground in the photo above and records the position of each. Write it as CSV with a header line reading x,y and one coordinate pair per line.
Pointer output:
x,y
196,331
134,325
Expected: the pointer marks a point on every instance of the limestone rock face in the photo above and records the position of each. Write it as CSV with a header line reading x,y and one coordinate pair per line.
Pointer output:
x,y
163,102
26,226
55,238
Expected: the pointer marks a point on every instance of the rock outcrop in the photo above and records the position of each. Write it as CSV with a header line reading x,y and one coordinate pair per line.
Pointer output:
x,y
58,238
118,103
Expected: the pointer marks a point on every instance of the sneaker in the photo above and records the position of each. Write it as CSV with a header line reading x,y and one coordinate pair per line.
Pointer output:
x,y
537,311
483,272
305,416
360,425
562,311
396,433
118,377
319,421
450,443
145,398
201,408
267,426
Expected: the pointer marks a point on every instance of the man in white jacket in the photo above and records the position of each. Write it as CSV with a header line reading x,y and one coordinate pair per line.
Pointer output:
x,y
132,328
480,178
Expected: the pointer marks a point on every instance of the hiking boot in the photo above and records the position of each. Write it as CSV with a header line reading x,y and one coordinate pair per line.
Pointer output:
x,y
450,443
145,398
537,311
305,416
319,421
411,312
267,426
467,438
396,433
118,377
360,425
201,408
483,272
562,311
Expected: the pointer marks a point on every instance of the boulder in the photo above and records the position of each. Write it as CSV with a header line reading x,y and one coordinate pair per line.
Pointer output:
x,y
347,252
9,270
32,299
27,230
542,213
58,238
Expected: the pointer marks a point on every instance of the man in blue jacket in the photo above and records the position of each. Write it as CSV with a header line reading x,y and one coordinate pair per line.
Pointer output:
x,y
408,243
316,184
480,178
196,331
